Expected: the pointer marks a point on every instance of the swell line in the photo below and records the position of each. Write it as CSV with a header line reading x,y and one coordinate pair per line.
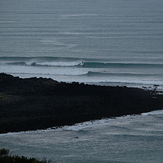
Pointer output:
x,y
73,62
92,74
127,65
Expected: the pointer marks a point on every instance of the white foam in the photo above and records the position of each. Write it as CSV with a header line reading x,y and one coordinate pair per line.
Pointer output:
x,y
95,123
157,112
76,15
62,64
89,124
41,71
106,121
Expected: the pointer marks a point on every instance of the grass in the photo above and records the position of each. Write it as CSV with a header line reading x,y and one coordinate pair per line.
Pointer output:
x,y
6,158
1,95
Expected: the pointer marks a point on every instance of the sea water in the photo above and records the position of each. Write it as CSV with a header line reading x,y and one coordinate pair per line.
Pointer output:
x,y
129,139
107,42
103,42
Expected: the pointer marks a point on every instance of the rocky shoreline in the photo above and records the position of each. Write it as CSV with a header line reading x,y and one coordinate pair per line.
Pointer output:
x,y
40,103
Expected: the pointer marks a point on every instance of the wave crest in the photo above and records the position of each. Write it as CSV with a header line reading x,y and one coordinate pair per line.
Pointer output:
x,y
58,64
48,64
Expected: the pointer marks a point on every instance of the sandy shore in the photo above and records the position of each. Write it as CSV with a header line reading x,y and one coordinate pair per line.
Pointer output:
x,y
39,103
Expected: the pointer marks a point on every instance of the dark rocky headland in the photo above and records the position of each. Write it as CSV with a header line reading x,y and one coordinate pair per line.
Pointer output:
x,y
39,103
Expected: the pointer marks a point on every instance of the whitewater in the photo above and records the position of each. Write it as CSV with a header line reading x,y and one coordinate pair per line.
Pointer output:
x,y
106,42
86,70
129,139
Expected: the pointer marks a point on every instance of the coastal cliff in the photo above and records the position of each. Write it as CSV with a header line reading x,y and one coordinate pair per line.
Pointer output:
x,y
39,103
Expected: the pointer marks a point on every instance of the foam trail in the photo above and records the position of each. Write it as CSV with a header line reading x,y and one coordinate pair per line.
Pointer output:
x,y
59,64
157,112
106,121
90,124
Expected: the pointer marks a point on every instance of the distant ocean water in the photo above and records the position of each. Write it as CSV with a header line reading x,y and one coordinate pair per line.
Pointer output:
x,y
103,42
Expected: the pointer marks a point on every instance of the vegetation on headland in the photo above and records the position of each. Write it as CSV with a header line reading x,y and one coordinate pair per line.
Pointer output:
x,y
6,158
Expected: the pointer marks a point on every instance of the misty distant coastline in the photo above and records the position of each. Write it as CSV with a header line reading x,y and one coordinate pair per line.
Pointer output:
x,y
40,103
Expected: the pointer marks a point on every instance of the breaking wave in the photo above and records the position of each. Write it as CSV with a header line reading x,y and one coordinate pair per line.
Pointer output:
x,y
73,62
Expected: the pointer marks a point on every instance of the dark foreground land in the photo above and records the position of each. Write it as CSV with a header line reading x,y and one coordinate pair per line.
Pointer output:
x,y
5,157
39,103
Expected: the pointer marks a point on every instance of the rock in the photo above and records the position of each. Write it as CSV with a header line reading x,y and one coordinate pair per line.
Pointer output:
x,y
39,103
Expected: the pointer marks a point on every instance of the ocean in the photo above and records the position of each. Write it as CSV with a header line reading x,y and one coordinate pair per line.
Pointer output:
x,y
106,42
102,42
129,139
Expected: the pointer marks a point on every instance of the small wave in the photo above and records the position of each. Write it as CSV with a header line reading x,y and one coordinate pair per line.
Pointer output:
x,y
157,112
105,121
120,65
105,73
88,124
47,64
95,123
120,74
